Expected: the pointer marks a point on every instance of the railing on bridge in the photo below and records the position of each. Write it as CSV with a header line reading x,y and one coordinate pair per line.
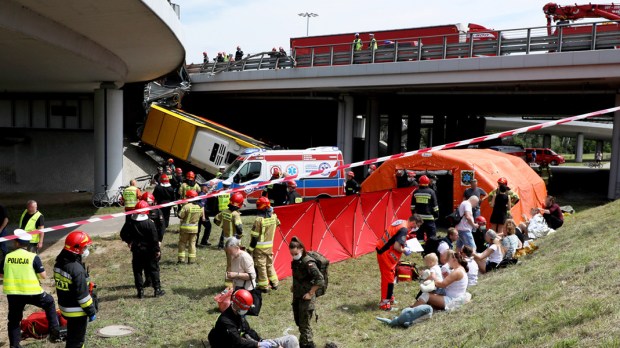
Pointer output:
x,y
560,38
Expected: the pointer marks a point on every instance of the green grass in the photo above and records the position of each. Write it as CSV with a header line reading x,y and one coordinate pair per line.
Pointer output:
x,y
563,295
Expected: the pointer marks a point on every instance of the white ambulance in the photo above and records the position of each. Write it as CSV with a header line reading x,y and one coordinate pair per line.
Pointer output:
x,y
257,165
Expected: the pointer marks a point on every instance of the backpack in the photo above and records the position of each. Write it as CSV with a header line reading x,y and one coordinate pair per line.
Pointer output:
x,y
454,218
322,263
406,271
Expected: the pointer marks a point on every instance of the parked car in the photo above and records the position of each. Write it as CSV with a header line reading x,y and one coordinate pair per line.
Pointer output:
x,y
514,150
544,155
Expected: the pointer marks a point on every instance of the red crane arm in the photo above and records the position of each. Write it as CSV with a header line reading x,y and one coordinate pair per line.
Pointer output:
x,y
557,12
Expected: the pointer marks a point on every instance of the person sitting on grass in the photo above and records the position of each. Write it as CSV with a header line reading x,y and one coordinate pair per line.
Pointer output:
x,y
472,274
492,256
511,242
232,330
455,285
536,226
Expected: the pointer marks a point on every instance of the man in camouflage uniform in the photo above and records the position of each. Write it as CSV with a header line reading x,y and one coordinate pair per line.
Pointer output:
x,y
261,245
230,222
190,216
307,279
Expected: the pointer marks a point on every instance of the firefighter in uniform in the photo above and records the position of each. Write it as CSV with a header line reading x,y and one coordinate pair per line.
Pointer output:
x,y
22,270
230,222
424,204
222,204
72,287
275,192
32,219
293,197
261,245
164,193
189,184
130,197
158,218
389,249
140,234
307,279
190,216
351,187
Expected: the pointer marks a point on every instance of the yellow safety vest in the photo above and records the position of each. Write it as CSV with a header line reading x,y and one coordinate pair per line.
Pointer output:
x,y
31,225
130,196
357,43
19,275
373,44
185,187
192,214
264,237
222,201
229,220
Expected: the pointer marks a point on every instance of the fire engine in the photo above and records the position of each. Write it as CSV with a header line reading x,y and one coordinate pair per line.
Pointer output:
x,y
566,15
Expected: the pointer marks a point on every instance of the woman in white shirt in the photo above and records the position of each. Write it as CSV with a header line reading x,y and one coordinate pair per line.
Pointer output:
x,y
492,256
455,284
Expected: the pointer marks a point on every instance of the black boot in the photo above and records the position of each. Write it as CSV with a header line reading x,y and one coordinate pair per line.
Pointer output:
x,y
159,292
140,293
55,336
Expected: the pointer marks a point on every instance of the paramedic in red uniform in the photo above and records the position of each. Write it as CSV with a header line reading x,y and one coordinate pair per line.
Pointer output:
x,y
389,250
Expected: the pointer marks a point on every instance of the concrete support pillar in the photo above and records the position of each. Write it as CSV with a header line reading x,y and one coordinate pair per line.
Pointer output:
x,y
108,124
579,148
455,125
413,131
395,132
547,141
345,127
373,128
599,146
439,130
614,167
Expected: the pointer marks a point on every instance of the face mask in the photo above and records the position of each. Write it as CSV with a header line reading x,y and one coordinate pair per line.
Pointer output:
x,y
369,171
483,228
297,257
85,253
242,313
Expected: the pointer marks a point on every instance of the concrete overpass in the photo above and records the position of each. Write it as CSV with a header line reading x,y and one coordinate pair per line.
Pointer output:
x,y
61,71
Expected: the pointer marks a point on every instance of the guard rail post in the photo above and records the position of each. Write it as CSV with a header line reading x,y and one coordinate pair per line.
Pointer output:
x,y
331,55
396,51
593,42
312,57
444,54
419,48
499,44
529,41
560,37
471,45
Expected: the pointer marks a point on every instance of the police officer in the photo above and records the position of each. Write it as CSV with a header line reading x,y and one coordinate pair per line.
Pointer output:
x,y
130,197
307,279
351,187
72,287
424,204
373,42
140,234
222,204
32,219
292,197
357,42
164,193
190,215
22,270
261,245
230,222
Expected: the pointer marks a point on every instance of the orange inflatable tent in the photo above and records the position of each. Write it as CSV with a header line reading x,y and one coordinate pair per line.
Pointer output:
x,y
485,165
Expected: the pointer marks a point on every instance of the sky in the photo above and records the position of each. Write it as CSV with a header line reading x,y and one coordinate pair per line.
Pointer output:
x,y
220,25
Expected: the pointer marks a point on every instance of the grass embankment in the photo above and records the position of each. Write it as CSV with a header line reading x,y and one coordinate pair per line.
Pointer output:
x,y
566,294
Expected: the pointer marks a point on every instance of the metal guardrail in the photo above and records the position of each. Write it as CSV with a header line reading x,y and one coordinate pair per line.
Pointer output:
x,y
536,40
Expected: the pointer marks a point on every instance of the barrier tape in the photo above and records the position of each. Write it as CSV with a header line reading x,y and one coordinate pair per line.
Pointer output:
x,y
252,187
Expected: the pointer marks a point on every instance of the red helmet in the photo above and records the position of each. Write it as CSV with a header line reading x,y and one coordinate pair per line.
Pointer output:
x,y
164,179
275,171
373,167
262,203
191,194
147,196
170,160
411,173
243,299
291,183
351,174
76,241
179,171
237,199
142,204
424,180
480,220
190,175
502,181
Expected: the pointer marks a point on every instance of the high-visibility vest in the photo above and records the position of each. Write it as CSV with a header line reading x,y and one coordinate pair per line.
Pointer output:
x,y
228,223
373,44
357,44
264,237
19,275
222,201
189,223
130,197
185,187
390,232
31,225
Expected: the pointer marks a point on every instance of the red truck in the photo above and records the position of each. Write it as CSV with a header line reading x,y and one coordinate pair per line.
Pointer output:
x,y
339,47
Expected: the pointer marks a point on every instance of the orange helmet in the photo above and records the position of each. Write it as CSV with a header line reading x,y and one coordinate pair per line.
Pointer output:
x,y
424,180
77,241
164,179
179,171
263,203
243,299
148,197
502,181
142,204
236,199
191,194
292,184
190,175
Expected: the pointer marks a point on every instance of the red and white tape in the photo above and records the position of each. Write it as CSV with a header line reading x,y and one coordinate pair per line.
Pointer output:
x,y
252,187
